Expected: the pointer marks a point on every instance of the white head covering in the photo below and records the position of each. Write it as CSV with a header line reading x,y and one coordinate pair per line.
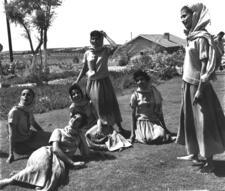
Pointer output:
x,y
200,20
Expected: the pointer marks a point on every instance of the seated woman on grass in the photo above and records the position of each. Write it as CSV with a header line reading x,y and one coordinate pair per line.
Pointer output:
x,y
82,104
23,140
46,167
148,124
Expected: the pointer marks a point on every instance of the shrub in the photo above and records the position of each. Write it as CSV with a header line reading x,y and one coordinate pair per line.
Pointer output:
x,y
159,64
48,97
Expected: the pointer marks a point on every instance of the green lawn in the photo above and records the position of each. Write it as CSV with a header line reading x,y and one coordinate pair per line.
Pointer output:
x,y
143,167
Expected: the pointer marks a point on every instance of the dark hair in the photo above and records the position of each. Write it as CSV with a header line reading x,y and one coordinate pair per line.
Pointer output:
x,y
83,118
221,33
141,73
96,33
75,87
187,9
30,90
1,47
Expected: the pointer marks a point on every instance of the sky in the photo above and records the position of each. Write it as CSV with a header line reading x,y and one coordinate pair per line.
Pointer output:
x,y
122,20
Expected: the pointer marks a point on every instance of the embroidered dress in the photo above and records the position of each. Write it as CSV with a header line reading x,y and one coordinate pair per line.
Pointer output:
x,y
99,86
148,105
44,169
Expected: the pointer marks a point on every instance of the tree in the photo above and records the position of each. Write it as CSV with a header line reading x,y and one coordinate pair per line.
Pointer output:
x,y
35,17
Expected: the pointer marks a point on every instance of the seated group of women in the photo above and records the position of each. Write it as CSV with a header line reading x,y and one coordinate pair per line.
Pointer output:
x,y
45,168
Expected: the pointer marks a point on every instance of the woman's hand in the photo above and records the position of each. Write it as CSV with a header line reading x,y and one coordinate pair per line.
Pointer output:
x,y
76,82
197,97
10,159
131,139
103,33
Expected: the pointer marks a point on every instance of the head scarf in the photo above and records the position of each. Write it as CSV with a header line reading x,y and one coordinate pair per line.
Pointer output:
x,y
200,20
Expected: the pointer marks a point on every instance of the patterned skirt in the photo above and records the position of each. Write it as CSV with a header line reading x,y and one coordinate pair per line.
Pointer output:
x,y
103,97
43,170
202,126
150,133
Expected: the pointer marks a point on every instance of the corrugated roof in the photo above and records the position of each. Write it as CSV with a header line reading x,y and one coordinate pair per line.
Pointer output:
x,y
160,39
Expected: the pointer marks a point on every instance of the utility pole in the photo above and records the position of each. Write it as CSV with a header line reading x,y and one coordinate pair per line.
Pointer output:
x,y
9,37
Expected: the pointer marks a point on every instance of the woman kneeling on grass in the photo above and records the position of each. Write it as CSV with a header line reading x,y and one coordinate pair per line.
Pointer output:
x,y
148,124
46,167
22,139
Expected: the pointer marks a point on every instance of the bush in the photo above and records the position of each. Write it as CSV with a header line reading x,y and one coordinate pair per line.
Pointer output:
x,y
48,97
55,96
159,64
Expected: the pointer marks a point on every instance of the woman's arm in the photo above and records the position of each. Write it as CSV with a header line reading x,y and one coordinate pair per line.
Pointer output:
x,y
59,153
11,143
37,126
133,126
84,149
111,42
203,49
198,93
82,72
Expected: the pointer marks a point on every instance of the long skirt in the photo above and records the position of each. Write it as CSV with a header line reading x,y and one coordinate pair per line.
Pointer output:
x,y
107,139
202,126
43,170
150,133
102,95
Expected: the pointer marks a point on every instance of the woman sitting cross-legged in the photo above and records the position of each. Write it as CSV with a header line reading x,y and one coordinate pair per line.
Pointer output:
x,y
23,139
46,166
148,124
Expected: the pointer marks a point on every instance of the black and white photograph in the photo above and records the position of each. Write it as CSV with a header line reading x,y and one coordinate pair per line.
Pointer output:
x,y
104,95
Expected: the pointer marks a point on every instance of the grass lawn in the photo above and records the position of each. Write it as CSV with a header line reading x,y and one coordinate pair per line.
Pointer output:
x,y
143,167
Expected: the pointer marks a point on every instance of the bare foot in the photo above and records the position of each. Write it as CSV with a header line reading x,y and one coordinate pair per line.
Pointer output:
x,y
78,165
188,157
5,182
10,159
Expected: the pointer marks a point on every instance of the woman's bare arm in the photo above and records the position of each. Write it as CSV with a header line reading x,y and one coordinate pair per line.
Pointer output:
x,y
82,72
59,153
198,93
133,126
11,143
